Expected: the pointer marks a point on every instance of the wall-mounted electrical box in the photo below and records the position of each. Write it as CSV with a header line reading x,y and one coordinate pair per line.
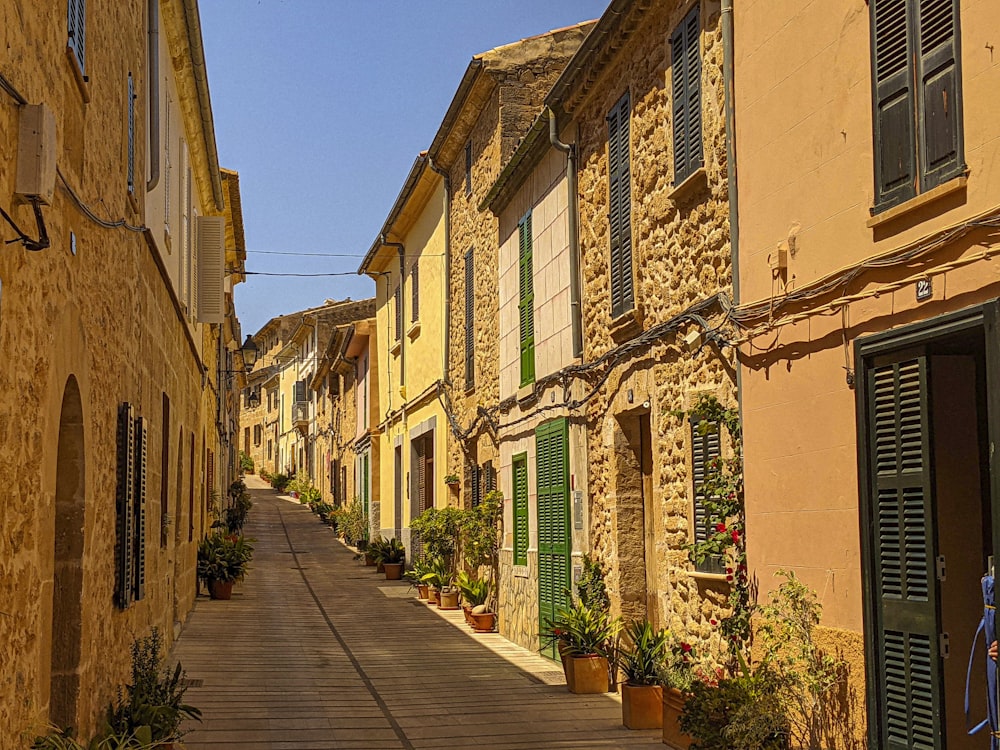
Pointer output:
x,y
36,154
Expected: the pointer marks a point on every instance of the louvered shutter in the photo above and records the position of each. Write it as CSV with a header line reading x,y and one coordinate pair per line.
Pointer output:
x,y
397,300
552,492
470,320
938,92
300,391
526,300
365,493
77,29
895,149
705,448
139,544
474,478
686,90
209,279
421,475
520,483
415,291
620,208
131,133
901,542
489,478
125,533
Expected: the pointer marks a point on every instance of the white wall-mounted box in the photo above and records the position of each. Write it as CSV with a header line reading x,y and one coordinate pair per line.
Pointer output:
x,y
36,154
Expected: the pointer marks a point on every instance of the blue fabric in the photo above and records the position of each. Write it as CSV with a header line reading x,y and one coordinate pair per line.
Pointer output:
x,y
987,626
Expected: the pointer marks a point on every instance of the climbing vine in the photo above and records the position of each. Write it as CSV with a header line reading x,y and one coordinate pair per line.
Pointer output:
x,y
725,517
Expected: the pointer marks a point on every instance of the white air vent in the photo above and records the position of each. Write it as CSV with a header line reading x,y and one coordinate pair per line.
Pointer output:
x,y
211,233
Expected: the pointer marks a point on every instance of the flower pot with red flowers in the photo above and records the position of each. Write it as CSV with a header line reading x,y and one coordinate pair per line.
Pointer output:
x,y
587,636
641,656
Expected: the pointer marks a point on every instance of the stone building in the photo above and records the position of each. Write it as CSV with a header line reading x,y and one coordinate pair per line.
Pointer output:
x,y
114,301
498,98
868,192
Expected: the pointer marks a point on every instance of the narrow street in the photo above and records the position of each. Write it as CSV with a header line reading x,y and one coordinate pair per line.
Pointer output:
x,y
316,651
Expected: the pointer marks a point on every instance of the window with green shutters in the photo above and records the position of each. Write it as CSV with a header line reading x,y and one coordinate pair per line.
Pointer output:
x,y
705,448
916,96
470,320
552,500
526,300
415,291
397,304
685,54
620,209
76,22
519,481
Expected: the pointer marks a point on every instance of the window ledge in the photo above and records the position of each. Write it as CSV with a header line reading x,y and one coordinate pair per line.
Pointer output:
x,y
919,201
82,81
414,330
520,571
626,326
526,393
396,347
697,574
695,181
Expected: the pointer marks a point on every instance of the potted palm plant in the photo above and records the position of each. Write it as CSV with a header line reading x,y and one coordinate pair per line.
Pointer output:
x,y
392,555
415,575
641,657
475,595
373,554
442,577
586,637
223,559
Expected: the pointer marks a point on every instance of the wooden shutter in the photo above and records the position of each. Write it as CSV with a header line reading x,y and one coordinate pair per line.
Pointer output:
x,y
125,533
365,494
470,319
210,276
895,145
685,45
939,102
139,509
397,299
526,300
620,208
415,290
520,484
77,29
899,542
131,133
552,498
474,476
299,391
421,470
705,448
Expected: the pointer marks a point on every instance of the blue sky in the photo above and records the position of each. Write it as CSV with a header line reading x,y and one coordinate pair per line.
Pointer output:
x,y
322,105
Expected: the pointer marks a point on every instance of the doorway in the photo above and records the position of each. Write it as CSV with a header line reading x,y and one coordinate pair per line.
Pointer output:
x,y
927,417
635,524
554,545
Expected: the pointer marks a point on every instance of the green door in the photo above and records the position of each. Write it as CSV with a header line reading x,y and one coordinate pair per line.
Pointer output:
x,y
552,470
900,553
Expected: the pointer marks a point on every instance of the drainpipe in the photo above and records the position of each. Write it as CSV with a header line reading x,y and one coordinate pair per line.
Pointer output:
x,y
402,306
447,269
574,234
153,14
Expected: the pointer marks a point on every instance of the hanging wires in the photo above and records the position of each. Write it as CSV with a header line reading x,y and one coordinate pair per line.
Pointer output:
x,y
89,213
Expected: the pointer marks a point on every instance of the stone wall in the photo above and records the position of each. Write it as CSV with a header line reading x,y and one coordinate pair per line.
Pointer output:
x,y
640,528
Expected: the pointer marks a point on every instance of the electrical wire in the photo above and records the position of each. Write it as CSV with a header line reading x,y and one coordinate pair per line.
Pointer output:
x,y
269,273
89,212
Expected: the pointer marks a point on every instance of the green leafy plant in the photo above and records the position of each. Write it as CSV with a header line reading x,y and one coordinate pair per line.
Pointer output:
x,y
224,557
452,479
642,653
439,531
475,591
235,516
581,630
440,574
392,552
279,481
591,589
246,463
353,520
64,739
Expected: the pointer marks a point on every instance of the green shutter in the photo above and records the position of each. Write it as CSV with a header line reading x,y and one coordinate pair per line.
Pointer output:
x,y
520,483
415,290
900,549
397,303
620,208
552,493
939,102
526,300
686,92
705,448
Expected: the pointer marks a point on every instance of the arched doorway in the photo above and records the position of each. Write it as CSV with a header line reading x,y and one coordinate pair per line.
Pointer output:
x,y
67,587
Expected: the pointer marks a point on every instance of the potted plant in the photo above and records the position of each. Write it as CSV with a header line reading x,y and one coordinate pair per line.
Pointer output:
x,y
223,559
373,554
415,576
442,578
452,480
586,637
475,594
393,557
641,657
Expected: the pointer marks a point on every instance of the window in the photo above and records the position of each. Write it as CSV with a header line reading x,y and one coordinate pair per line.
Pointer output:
x,y
685,52
468,168
917,97
704,449
397,303
258,433
415,291
76,25
470,320
164,471
620,209
130,548
519,481
130,104
526,300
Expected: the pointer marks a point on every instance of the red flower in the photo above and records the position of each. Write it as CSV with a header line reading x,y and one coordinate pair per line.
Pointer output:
x,y
729,578
720,527
556,631
713,622
729,570
686,648
736,537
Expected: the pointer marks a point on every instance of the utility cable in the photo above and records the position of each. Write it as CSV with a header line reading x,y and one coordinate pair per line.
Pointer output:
x,y
89,213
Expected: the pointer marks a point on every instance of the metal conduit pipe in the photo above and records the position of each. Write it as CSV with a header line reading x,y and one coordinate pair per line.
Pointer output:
x,y
153,21
575,295
446,376
399,313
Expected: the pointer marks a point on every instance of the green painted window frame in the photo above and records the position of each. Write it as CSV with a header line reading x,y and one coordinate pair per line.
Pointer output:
x,y
519,485
526,299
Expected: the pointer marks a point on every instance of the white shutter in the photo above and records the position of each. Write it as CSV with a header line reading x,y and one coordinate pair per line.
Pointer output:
x,y
211,268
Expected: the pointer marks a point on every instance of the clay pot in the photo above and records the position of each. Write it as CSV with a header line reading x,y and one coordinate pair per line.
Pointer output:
x,y
380,567
467,611
422,590
587,674
433,595
369,561
220,589
642,706
673,707
483,622
393,571
448,600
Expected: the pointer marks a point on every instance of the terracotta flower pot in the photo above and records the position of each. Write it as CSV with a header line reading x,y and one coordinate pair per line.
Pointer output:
x,y
467,611
369,561
587,674
673,707
483,622
220,589
433,595
380,567
422,590
393,571
448,600
642,706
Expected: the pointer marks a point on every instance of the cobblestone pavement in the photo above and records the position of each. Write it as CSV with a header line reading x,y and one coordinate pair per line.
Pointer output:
x,y
315,651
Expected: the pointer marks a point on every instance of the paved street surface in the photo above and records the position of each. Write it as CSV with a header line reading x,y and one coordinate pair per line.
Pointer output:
x,y
315,651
